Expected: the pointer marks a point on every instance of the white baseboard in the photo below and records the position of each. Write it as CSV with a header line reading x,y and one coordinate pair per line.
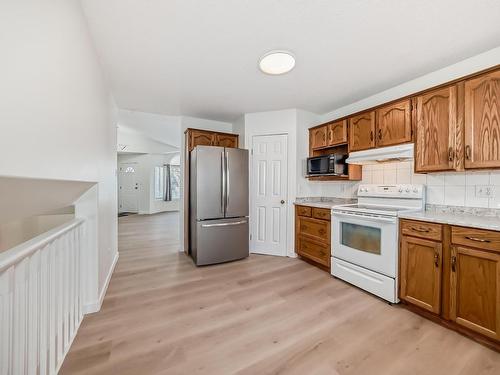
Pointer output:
x,y
96,306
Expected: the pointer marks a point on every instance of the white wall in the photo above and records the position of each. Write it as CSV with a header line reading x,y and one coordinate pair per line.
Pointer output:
x,y
239,128
145,179
161,128
455,71
56,113
132,141
196,123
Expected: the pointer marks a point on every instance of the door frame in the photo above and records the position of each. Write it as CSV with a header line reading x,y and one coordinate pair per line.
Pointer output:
x,y
289,223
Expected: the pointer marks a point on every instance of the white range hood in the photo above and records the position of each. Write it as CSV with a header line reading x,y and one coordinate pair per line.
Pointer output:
x,y
382,155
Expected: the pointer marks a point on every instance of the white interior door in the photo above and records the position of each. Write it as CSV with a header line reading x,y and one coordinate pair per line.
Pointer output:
x,y
268,197
128,188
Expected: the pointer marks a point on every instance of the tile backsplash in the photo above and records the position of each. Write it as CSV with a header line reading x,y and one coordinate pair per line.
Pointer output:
x,y
450,188
469,189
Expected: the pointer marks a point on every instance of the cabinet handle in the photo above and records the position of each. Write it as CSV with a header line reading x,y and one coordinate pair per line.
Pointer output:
x,y
451,154
380,134
420,230
467,152
436,259
454,263
477,239
371,136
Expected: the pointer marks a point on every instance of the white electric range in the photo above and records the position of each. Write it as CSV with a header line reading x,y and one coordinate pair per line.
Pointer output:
x,y
365,237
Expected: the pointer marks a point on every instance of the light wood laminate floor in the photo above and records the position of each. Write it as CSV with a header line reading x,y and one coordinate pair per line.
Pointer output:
x,y
262,315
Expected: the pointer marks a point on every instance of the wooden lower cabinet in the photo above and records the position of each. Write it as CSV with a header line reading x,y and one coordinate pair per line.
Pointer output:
x,y
312,235
454,276
316,251
420,273
475,290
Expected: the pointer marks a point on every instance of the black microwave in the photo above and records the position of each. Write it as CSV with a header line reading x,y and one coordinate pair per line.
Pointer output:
x,y
333,165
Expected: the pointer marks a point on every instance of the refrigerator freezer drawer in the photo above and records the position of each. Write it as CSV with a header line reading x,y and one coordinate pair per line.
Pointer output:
x,y
218,241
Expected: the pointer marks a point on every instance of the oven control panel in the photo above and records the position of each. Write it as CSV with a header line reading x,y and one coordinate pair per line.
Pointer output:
x,y
392,191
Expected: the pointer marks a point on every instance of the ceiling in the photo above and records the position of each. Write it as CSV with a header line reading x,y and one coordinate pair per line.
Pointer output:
x,y
200,58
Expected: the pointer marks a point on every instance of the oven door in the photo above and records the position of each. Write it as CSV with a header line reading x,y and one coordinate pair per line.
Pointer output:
x,y
367,241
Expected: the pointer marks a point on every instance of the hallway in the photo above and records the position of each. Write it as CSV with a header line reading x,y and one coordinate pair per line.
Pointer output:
x,y
262,315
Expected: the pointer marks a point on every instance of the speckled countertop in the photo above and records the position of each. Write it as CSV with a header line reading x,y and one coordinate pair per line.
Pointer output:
x,y
481,218
323,202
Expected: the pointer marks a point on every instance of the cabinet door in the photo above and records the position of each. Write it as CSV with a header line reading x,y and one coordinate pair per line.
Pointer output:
x,y
482,121
337,133
475,290
435,130
201,138
315,250
362,131
226,140
318,137
394,124
420,274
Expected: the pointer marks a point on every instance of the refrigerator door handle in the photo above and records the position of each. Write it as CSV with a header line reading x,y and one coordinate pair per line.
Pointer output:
x,y
227,182
224,224
222,185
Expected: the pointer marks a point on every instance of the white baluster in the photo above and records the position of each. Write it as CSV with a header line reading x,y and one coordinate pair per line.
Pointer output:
x,y
41,303
20,318
44,309
6,316
33,313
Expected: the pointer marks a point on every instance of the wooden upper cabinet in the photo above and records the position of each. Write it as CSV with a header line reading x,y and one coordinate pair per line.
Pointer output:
x,y
337,133
362,131
475,290
436,130
482,121
197,137
394,124
200,138
226,140
318,137
420,273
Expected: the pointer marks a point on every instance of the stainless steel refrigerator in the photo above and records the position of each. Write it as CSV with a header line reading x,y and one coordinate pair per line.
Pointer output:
x,y
218,204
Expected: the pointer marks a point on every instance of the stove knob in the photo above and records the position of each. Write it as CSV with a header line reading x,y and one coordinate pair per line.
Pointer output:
x,y
400,189
407,190
415,190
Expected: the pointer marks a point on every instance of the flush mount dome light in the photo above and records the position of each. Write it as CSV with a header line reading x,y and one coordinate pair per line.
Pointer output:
x,y
277,62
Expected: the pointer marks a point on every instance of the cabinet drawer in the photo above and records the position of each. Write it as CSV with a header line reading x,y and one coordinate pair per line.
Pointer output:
x,y
317,251
421,229
478,238
319,229
321,213
303,211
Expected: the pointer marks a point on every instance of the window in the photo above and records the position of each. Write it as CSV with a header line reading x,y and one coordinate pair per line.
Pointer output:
x,y
167,182
159,182
175,182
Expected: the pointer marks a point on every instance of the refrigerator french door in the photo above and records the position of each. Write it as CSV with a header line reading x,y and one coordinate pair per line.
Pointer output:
x,y
219,204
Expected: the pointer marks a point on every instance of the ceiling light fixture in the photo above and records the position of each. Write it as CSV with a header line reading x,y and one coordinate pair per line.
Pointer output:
x,y
277,62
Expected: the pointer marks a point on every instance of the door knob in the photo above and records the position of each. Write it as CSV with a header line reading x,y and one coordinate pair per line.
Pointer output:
x,y
282,201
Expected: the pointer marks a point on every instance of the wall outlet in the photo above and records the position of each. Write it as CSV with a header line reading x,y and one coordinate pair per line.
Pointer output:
x,y
485,191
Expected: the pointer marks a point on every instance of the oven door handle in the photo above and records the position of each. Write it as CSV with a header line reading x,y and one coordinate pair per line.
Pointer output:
x,y
365,217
